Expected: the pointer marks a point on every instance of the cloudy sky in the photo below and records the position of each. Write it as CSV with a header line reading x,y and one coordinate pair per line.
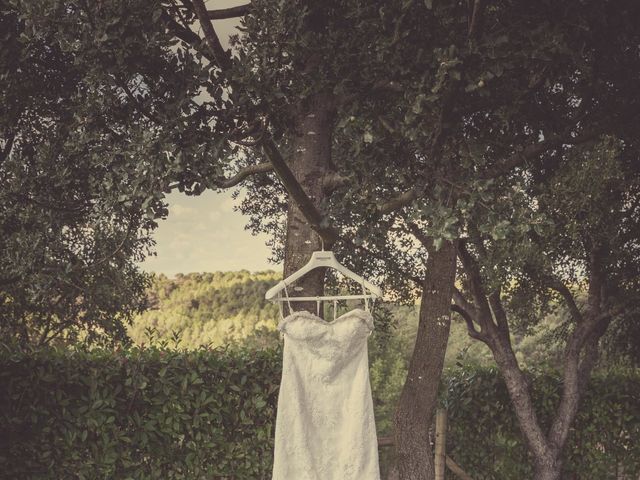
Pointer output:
x,y
204,234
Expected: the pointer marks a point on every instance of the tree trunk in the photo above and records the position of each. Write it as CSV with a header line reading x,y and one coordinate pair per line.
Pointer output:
x,y
547,449
547,470
310,163
580,357
547,463
520,396
414,413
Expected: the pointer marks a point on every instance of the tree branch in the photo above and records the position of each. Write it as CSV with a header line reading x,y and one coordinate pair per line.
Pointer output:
x,y
472,270
576,373
462,302
57,331
476,19
471,328
536,149
423,238
498,312
316,220
556,284
187,36
583,341
231,12
111,255
223,60
243,174
398,202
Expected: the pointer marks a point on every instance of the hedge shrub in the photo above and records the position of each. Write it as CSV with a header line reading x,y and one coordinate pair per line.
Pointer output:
x,y
139,414
485,440
210,414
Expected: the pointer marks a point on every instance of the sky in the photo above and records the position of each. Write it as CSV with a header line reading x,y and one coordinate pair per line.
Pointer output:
x,y
204,233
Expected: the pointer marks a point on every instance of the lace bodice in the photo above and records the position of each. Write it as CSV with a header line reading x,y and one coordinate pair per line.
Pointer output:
x,y
325,428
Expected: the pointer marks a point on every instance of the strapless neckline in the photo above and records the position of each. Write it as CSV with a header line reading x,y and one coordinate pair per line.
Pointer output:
x,y
358,312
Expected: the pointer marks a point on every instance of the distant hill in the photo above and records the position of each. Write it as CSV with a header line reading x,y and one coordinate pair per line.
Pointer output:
x,y
220,308
214,309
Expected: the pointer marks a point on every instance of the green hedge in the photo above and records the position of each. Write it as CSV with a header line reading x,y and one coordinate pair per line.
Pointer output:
x,y
485,440
209,414
140,414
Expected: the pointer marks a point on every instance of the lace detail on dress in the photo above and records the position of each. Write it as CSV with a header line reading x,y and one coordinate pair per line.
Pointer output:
x,y
325,426
290,325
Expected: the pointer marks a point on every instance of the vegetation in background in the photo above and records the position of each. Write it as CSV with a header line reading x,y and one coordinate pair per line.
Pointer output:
x,y
215,309
163,414
197,310
484,437
137,413
455,116
208,309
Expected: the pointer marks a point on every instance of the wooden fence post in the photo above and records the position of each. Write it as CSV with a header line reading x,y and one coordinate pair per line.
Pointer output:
x,y
441,441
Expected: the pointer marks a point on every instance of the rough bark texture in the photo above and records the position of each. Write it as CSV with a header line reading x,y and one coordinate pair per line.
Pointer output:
x,y
580,356
546,461
414,413
311,162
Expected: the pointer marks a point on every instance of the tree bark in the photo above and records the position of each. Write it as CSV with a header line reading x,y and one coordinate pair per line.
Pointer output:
x,y
414,413
580,356
310,164
547,463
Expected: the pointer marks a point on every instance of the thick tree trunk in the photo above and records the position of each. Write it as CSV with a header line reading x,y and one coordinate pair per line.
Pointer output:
x,y
547,464
310,163
547,471
518,389
580,357
417,402
547,449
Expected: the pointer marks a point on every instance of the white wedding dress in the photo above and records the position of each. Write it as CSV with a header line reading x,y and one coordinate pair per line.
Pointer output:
x,y
325,426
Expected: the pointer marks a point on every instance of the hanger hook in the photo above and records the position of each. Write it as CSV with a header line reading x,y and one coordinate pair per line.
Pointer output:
x,y
321,241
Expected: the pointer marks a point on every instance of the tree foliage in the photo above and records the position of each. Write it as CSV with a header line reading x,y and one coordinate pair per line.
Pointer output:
x,y
432,110
451,120
71,226
477,122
